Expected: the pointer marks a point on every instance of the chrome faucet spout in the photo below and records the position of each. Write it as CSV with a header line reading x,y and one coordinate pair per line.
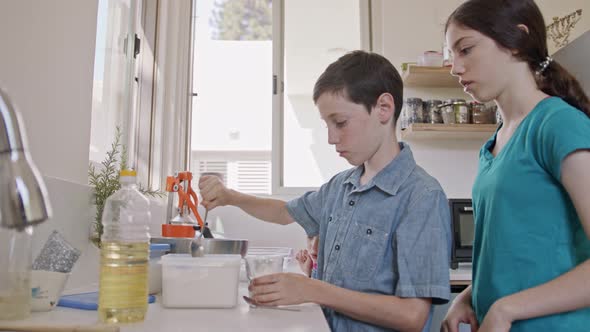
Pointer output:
x,y
23,197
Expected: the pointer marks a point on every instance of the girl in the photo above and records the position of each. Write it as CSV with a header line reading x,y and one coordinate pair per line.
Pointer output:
x,y
308,258
531,253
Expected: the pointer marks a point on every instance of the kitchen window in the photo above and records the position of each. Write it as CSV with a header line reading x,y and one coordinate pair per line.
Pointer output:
x,y
254,67
113,86
244,106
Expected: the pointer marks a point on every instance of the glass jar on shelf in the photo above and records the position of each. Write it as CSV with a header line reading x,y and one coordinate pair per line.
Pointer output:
x,y
448,112
432,111
481,114
403,118
462,111
414,110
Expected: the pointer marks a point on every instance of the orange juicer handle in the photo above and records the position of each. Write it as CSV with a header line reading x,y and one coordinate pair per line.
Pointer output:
x,y
192,204
185,198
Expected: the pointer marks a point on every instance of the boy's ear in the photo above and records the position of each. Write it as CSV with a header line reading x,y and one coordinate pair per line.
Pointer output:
x,y
385,107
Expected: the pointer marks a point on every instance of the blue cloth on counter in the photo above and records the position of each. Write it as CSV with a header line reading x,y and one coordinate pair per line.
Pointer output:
x,y
389,236
86,301
527,231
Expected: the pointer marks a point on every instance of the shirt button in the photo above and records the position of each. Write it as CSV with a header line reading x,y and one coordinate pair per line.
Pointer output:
x,y
330,219
337,247
369,231
351,203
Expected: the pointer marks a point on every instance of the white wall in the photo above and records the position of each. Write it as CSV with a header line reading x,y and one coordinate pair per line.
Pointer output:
x,y
46,67
552,8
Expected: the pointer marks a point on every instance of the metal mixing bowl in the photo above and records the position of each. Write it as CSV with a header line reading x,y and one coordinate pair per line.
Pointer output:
x,y
219,246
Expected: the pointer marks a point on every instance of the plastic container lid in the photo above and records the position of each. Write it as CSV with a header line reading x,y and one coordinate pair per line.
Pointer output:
x,y
86,301
205,261
160,246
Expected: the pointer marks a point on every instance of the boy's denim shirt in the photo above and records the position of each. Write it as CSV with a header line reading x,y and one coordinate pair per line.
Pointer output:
x,y
390,236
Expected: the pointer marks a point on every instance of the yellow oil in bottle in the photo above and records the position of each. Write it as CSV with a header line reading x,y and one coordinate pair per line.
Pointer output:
x,y
123,288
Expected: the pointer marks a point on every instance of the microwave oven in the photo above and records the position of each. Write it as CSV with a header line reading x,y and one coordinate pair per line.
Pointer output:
x,y
463,230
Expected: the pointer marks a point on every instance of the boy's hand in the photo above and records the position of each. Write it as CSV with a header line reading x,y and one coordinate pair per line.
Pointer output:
x,y
281,289
305,262
213,192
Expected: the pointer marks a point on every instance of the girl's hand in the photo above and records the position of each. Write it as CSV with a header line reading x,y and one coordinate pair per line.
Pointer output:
x,y
305,261
460,311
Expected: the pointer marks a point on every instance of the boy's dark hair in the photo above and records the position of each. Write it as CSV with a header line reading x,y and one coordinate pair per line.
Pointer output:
x,y
499,20
362,77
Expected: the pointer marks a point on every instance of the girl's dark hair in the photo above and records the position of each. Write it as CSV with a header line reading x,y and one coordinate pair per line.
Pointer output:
x,y
499,20
362,77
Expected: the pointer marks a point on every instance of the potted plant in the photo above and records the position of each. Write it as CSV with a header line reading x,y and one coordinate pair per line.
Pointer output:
x,y
105,181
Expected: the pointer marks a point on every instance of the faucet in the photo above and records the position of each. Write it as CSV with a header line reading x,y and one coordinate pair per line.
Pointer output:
x,y
23,197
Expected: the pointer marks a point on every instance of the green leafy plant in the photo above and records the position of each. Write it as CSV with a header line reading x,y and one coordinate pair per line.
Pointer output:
x,y
105,181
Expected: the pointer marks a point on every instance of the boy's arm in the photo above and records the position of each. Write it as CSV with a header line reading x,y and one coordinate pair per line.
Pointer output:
x,y
214,194
402,314
267,209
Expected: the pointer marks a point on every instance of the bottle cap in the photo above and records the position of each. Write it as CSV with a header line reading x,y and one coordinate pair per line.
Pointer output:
x,y
128,172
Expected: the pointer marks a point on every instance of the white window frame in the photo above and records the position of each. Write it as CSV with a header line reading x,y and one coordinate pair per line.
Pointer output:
x,y
277,176
165,105
163,131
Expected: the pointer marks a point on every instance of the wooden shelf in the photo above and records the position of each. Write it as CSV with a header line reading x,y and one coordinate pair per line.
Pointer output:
x,y
435,77
448,131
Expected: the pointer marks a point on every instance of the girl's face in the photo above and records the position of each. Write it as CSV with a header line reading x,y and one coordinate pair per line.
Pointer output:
x,y
484,68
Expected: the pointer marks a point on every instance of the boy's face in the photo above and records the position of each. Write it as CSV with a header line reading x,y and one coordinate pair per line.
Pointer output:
x,y
355,133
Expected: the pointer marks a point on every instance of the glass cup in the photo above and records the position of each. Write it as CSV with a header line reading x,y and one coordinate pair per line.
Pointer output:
x,y
15,273
257,266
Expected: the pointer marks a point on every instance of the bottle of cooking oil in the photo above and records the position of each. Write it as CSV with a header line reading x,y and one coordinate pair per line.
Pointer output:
x,y
123,290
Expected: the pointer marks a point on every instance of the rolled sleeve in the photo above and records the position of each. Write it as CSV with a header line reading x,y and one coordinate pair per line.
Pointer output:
x,y
306,211
423,243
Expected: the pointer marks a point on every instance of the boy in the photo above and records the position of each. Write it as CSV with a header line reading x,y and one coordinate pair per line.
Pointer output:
x,y
383,226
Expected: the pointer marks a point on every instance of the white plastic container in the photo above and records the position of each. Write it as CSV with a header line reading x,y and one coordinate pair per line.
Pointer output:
x,y
200,282
157,250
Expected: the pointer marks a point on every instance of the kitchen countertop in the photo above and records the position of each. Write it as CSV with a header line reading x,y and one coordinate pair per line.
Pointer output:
x,y
462,275
309,317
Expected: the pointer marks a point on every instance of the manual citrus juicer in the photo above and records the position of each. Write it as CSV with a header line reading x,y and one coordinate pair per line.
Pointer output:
x,y
183,225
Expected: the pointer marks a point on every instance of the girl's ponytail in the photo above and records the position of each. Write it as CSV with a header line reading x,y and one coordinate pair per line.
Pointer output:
x,y
555,80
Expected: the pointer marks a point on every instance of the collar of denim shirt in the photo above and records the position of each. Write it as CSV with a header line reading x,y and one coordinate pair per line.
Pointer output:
x,y
390,178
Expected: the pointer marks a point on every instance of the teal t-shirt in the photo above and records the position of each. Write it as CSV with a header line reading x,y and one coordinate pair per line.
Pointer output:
x,y
527,231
